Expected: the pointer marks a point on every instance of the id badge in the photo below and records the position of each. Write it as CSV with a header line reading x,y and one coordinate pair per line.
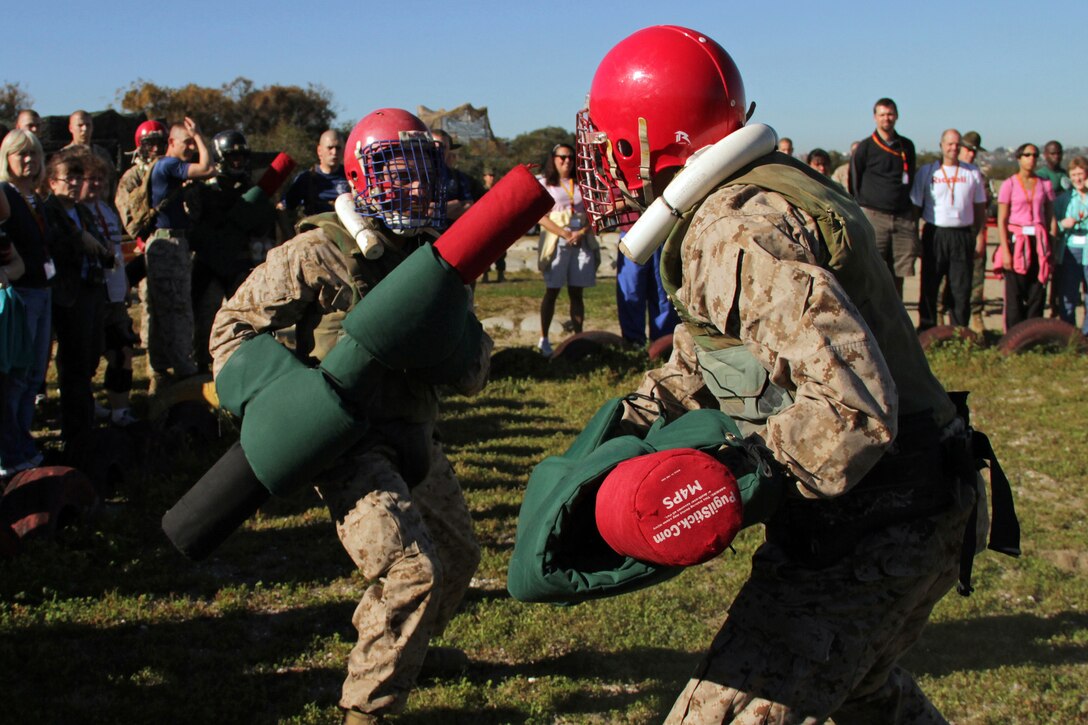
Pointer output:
x,y
906,179
1028,231
50,269
1078,240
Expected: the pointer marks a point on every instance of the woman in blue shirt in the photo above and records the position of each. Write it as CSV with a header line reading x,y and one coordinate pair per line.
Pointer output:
x,y
1071,211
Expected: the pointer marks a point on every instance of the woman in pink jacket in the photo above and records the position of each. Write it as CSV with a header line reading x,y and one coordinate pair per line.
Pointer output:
x,y
1025,222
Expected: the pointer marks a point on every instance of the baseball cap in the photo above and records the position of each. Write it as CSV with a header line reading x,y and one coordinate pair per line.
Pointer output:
x,y
674,508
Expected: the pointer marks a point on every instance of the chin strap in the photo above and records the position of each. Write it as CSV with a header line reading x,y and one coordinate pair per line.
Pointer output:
x,y
644,169
617,178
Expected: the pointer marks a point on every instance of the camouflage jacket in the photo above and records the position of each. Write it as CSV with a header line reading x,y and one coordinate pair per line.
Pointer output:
x,y
301,282
753,265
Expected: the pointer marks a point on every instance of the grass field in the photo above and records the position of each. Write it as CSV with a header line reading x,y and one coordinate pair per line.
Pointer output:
x,y
111,625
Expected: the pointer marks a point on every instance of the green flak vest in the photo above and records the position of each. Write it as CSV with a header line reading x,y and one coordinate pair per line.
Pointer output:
x,y
559,555
734,376
401,399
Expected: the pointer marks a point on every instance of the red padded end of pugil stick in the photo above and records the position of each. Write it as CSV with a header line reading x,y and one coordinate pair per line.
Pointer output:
x,y
494,223
277,173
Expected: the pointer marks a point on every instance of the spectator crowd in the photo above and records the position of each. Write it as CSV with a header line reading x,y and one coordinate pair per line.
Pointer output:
x,y
186,203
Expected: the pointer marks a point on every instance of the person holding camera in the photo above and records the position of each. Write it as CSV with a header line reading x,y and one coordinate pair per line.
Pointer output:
x,y
79,289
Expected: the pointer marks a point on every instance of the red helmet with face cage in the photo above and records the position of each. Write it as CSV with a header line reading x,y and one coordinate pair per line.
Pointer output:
x,y
150,131
395,169
657,97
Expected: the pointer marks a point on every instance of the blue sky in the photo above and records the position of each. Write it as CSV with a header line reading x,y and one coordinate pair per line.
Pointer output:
x,y
813,69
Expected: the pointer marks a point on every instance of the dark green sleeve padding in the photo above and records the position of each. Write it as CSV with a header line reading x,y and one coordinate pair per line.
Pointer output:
x,y
254,365
465,354
416,317
559,555
295,427
354,370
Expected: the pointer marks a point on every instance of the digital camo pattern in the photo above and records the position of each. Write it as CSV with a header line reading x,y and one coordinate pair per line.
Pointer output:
x,y
802,645
306,271
418,554
751,267
169,304
414,546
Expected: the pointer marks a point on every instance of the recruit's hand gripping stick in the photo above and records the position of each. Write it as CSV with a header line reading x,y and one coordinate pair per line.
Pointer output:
x,y
297,420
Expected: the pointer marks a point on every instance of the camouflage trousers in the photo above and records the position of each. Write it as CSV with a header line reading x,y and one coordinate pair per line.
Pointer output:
x,y
417,551
801,645
169,305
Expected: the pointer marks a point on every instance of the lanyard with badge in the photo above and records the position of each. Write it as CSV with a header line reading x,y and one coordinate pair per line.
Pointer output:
x,y
49,267
1029,230
1078,238
575,218
951,182
893,152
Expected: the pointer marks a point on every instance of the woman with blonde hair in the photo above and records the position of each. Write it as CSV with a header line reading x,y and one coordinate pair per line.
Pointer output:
x,y
22,164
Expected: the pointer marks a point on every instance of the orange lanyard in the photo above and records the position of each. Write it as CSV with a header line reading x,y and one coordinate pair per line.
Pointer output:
x,y
1030,197
570,191
952,182
893,152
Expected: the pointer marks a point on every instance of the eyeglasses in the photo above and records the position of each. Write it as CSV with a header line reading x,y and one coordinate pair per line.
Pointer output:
x,y
70,181
1030,156
568,157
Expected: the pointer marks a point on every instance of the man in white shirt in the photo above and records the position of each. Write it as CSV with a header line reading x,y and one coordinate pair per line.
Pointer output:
x,y
950,196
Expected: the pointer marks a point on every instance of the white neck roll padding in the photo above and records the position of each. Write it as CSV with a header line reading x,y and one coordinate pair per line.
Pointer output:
x,y
706,168
369,241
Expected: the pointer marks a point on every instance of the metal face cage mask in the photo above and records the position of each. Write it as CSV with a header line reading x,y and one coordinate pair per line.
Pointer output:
x,y
404,182
608,201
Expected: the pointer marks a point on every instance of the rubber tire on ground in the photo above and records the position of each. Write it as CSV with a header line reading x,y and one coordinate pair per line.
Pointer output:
x,y
38,502
935,336
577,347
1042,332
661,349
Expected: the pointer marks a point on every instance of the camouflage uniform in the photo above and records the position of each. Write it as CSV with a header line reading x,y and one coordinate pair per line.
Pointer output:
x,y
169,307
414,545
131,179
802,643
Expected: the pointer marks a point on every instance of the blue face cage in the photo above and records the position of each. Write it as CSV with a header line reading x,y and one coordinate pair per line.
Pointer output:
x,y
404,182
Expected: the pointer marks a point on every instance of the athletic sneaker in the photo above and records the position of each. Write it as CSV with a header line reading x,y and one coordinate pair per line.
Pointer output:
x,y
545,347
123,417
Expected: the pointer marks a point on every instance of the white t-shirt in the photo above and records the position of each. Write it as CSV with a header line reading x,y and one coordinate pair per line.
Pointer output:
x,y
947,194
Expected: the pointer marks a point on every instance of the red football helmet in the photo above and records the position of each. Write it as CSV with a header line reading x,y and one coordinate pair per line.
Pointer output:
x,y
396,171
149,131
657,97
